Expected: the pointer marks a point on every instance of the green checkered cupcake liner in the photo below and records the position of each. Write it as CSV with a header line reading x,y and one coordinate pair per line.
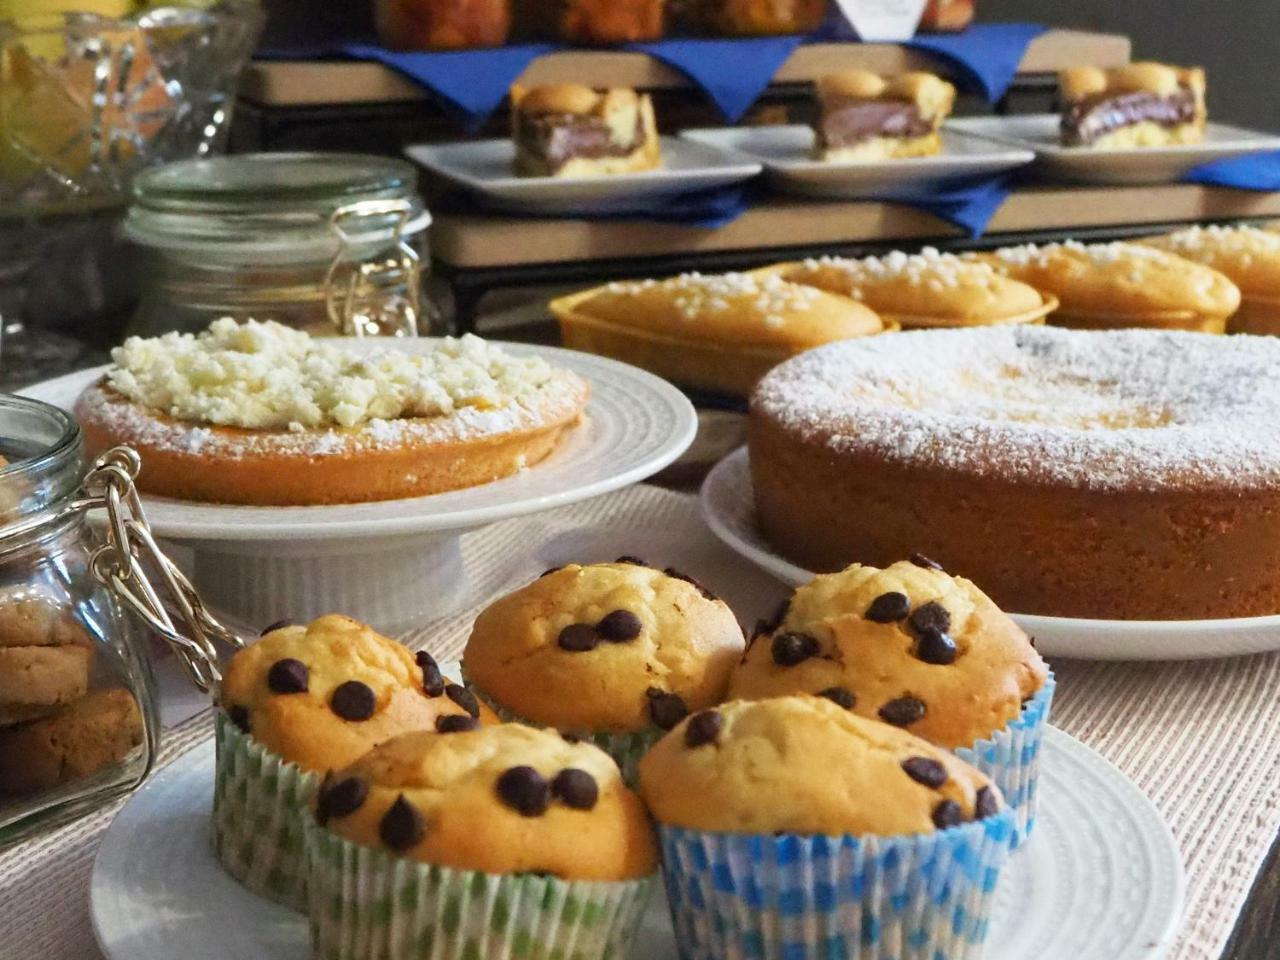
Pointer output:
x,y
625,748
366,904
259,804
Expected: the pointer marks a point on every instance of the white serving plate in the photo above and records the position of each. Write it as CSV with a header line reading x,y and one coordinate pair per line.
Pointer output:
x,y
1101,877
396,562
784,151
1039,133
728,505
484,168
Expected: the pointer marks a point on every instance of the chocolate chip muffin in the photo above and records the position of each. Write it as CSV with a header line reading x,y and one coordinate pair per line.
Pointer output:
x,y
616,651
916,648
852,828
301,701
530,837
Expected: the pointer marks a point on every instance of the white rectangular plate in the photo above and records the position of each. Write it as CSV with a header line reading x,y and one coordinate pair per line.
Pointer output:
x,y
484,168
785,152
1038,132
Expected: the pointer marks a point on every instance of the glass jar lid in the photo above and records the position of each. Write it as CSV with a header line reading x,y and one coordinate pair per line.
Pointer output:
x,y
277,205
42,451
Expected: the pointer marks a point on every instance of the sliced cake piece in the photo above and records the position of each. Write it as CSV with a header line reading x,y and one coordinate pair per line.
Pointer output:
x,y
864,117
1137,105
568,130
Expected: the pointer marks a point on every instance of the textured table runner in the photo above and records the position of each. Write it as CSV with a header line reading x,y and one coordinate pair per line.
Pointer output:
x,y
1202,739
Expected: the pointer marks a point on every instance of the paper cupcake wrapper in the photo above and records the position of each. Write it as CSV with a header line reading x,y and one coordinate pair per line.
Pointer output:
x,y
792,897
625,748
1011,758
368,905
259,804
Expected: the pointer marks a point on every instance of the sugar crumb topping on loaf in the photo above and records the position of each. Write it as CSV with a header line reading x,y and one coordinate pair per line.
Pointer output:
x,y
1127,409
929,267
1117,251
1214,238
263,375
695,295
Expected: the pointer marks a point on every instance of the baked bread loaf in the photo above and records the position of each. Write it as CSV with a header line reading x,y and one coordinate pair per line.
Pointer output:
x,y
1248,257
617,647
718,333
1110,285
568,130
257,413
442,24
736,18
1135,105
323,694
907,645
593,21
863,116
1129,474
946,16
928,289
805,765
504,799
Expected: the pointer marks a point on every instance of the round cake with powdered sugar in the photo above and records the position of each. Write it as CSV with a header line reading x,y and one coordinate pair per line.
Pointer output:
x,y
1128,474
257,413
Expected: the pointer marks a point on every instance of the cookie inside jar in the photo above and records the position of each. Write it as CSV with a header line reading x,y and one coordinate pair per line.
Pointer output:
x,y
77,720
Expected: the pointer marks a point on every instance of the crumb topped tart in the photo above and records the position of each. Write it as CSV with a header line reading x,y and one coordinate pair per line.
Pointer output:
x,y
258,413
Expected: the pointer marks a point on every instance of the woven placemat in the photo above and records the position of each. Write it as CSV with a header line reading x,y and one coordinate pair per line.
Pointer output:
x,y
1202,739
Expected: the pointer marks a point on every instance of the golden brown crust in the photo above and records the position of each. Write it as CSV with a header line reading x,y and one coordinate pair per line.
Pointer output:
x,y
1257,315
802,765
305,727
34,680
280,467
1247,256
574,99
932,95
994,671
686,645
451,782
1077,83
442,24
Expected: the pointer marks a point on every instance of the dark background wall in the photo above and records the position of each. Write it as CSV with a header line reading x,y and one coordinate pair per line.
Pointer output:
x,y
1236,41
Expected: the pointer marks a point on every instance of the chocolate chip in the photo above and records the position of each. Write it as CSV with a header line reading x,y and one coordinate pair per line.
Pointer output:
x,y
888,607
577,638
550,570
278,625
920,560
288,676
634,561
698,584
619,626
930,616
524,790
665,709
947,814
790,649
934,646
239,716
353,700
402,825
576,789
343,798
455,723
702,728
841,696
1032,641
570,737
463,698
432,678
985,803
903,711
925,770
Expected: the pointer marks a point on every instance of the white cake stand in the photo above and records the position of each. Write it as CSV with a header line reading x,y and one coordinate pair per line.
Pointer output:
x,y
398,562
728,505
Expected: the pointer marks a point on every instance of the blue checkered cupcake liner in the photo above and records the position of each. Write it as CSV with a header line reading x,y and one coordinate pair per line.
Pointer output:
x,y
1011,758
793,897
365,904
259,804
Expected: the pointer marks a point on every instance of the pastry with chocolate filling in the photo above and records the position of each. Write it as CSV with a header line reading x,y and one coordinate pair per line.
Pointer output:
x,y
1137,105
568,130
865,117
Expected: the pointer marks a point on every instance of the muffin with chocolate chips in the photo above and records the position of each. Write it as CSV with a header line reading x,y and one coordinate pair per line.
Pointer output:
x,y
521,837
918,649
793,826
301,701
616,652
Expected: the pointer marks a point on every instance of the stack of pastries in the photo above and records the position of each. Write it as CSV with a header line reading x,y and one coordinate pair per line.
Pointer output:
x,y
640,731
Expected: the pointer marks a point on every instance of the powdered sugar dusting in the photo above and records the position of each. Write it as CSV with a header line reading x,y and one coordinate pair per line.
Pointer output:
x,y
1131,409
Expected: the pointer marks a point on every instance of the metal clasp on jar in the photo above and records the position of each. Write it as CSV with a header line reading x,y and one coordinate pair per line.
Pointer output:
x,y
380,296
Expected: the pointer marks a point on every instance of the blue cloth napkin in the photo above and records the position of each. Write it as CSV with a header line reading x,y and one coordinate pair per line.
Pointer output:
x,y
1252,171
967,202
732,73
472,83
